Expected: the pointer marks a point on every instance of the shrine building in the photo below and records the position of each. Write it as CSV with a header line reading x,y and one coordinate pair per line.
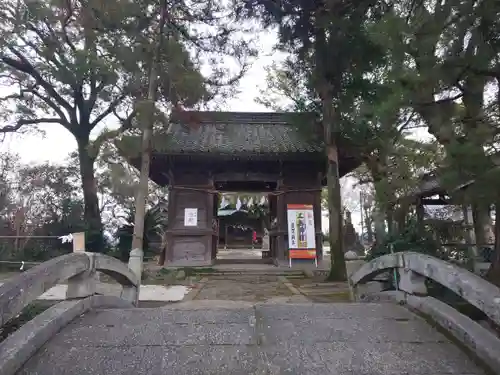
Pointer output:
x,y
204,153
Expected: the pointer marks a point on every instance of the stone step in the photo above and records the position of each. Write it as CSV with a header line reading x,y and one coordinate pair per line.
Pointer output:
x,y
254,273
327,287
323,292
251,272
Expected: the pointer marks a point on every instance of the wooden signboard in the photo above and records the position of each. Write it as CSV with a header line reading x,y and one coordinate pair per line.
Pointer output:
x,y
301,233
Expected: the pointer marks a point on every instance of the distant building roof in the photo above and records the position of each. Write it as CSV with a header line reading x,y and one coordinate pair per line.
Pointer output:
x,y
429,184
432,184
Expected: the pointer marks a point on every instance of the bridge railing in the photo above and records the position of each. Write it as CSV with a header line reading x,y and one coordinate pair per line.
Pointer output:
x,y
410,270
78,269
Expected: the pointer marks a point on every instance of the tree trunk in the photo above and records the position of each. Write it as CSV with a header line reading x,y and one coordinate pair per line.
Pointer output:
x,y
338,267
94,240
384,195
390,218
147,120
143,187
379,223
328,89
420,213
400,215
369,226
482,221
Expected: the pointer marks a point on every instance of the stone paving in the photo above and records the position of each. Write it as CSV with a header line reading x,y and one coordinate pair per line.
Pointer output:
x,y
241,338
252,325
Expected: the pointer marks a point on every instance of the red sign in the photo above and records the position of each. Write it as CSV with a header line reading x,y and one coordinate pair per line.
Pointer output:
x,y
302,254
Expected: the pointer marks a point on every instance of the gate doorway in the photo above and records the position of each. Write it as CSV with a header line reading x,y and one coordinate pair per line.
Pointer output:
x,y
243,221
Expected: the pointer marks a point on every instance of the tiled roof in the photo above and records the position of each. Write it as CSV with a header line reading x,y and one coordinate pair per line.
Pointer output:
x,y
432,183
429,184
237,133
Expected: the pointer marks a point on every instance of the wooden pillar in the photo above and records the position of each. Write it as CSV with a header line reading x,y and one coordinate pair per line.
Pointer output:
x,y
164,255
191,244
212,212
225,236
281,229
272,230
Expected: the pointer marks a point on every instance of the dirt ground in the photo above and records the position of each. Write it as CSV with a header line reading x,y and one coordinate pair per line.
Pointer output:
x,y
320,291
267,288
242,288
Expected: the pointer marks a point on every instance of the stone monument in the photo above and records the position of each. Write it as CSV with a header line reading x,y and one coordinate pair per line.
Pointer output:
x,y
265,244
351,238
265,240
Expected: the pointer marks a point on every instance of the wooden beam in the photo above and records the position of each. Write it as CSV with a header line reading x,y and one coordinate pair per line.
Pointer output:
x,y
245,176
435,202
246,186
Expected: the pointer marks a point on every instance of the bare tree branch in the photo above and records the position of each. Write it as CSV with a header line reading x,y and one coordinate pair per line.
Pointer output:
x,y
111,108
25,66
21,123
107,135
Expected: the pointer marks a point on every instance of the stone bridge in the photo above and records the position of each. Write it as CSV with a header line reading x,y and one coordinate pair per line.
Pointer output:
x,y
97,334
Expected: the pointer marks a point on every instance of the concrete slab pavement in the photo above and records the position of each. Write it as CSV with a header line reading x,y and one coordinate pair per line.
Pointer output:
x,y
224,337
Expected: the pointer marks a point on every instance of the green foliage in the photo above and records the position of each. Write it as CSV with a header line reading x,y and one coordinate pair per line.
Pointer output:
x,y
332,58
194,271
155,223
46,200
42,200
79,63
288,89
425,239
409,239
28,313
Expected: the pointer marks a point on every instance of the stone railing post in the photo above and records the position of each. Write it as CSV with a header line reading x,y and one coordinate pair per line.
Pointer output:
x,y
130,293
411,282
84,284
352,262
78,242
135,262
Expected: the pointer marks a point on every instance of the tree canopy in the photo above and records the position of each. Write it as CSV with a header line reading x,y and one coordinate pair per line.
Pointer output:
x,y
83,64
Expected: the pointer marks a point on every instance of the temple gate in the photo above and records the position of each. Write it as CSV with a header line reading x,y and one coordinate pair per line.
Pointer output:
x,y
204,153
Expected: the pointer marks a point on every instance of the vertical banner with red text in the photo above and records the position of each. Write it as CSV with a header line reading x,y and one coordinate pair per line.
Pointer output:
x,y
301,233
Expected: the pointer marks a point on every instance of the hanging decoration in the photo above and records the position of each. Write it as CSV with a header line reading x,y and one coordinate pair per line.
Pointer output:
x,y
242,202
66,239
262,200
223,202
